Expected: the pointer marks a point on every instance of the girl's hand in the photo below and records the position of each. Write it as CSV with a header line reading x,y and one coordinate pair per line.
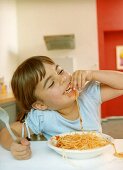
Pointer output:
x,y
79,78
22,150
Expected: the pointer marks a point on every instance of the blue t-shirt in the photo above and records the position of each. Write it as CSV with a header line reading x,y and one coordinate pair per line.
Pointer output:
x,y
51,123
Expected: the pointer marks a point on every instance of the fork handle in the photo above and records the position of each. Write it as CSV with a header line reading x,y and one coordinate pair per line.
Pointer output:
x,y
10,131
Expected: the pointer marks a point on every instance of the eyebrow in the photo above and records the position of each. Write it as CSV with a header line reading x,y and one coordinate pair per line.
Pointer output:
x,y
48,78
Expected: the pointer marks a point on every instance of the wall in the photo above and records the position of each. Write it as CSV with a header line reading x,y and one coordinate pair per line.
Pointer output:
x,y
23,23
37,18
8,39
110,34
109,18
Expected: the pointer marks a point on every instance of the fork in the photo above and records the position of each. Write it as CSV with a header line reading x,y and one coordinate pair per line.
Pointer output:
x,y
5,118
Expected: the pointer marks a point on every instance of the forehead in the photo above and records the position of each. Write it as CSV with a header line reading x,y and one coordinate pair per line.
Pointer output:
x,y
49,66
49,70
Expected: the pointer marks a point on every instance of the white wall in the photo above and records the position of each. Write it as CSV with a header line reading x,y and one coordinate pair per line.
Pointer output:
x,y
37,18
8,39
23,23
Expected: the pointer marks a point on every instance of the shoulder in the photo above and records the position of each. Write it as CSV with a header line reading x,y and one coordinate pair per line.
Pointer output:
x,y
37,119
92,86
39,115
91,91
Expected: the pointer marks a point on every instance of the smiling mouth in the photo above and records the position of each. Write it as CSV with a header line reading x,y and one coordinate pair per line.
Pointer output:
x,y
68,89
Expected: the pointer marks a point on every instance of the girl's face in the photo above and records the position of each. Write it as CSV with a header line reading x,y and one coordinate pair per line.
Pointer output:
x,y
55,88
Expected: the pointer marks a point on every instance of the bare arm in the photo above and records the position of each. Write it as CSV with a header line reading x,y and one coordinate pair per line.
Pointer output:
x,y
5,138
111,82
19,150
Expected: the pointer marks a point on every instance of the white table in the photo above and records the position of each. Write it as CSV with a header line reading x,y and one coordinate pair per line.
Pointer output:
x,y
43,158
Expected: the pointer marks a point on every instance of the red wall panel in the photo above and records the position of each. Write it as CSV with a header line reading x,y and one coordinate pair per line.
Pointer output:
x,y
110,34
111,40
110,14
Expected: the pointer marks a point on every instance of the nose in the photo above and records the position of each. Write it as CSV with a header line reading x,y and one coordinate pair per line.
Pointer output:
x,y
62,79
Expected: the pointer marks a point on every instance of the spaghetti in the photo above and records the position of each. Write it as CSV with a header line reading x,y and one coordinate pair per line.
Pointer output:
x,y
81,141
80,117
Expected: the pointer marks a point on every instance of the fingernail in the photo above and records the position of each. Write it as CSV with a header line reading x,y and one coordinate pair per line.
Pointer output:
x,y
25,141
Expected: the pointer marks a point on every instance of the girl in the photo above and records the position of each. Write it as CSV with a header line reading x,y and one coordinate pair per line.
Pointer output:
x,y
47,94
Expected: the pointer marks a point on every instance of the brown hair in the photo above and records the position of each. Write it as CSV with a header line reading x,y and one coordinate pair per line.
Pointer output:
x,y
25,79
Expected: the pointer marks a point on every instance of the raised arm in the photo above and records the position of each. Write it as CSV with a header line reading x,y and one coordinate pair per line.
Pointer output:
x,y
111,82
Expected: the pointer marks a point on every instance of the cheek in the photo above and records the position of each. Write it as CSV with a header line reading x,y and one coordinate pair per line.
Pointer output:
x,y
55,94
54,97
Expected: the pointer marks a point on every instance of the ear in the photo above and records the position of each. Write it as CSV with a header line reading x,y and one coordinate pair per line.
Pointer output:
x,y
39,105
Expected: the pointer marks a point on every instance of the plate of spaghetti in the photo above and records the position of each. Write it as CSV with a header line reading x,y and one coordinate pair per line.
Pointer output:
x,y
80,145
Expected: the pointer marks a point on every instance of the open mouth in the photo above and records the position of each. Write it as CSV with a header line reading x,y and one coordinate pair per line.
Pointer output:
x,y
68,89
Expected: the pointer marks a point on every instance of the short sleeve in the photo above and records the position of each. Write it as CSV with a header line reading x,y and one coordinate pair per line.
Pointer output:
x,y
92,90
35,121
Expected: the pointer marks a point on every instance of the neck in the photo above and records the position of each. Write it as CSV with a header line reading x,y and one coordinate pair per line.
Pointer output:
x,y
71,112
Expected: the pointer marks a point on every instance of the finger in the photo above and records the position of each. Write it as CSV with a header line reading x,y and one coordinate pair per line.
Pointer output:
x,y
83,81
18,147
21,153
74,80
24,156
25,142
79,81
22,141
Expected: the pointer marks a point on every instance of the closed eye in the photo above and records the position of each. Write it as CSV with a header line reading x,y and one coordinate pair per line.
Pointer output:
x,y
61,72
51,84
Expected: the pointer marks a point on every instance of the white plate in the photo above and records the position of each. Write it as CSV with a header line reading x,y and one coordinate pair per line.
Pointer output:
x,y
80,154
